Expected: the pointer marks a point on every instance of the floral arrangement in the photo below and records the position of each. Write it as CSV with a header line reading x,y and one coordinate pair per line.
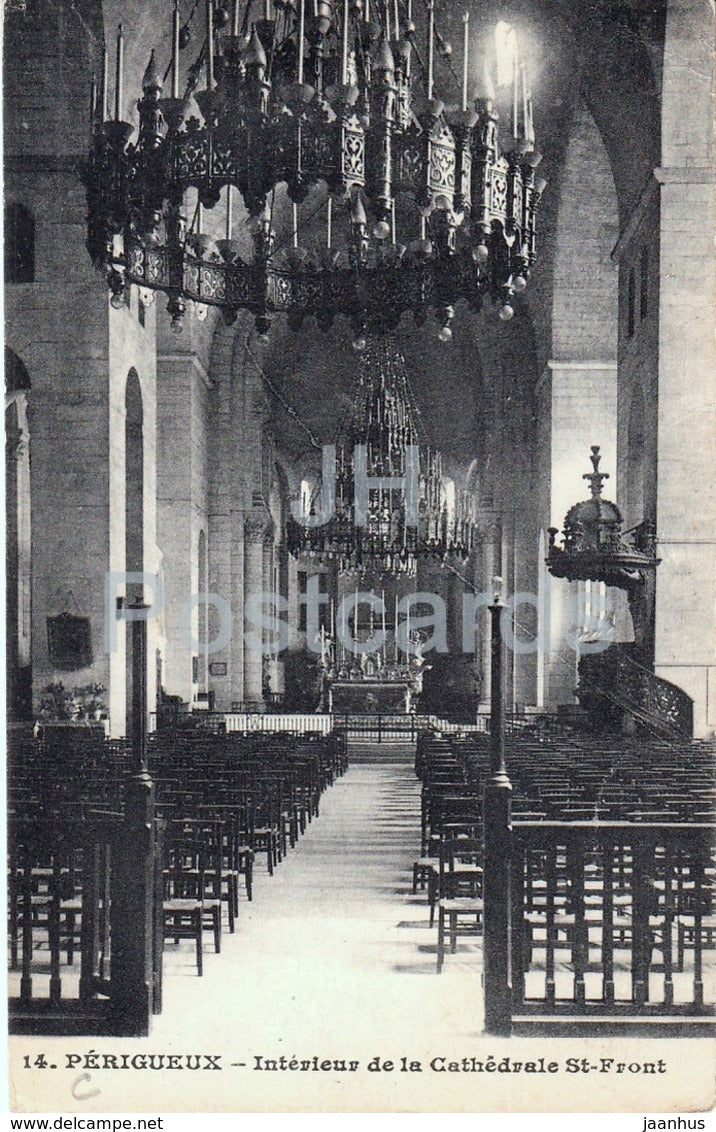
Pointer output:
x,y
58,703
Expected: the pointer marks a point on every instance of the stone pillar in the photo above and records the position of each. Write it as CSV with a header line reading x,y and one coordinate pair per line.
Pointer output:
x,y
257,529
686,508
182,506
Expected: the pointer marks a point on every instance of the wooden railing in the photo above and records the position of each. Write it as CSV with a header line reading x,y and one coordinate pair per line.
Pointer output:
x,y
377,726
612,919
381,727
89,889
295,724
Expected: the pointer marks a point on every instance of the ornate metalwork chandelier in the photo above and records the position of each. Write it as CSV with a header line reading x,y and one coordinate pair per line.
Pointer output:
x,y
381,433
341,93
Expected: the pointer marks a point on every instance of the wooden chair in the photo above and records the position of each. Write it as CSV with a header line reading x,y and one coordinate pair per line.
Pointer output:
x,y
460,906
187,912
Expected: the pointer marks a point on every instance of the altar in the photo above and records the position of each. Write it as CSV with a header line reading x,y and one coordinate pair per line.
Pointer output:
x,y
370,697
378,678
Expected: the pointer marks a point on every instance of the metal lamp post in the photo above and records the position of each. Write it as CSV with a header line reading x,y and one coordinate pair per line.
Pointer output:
x,y
497,816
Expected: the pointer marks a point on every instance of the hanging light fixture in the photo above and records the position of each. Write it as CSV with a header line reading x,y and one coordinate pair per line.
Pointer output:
x,y
381,444
312,92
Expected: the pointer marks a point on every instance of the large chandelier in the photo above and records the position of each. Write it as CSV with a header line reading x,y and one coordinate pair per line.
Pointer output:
x,y
311,92
381,431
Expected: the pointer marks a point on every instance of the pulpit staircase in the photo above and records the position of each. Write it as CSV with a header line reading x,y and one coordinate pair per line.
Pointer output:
x,y
616,684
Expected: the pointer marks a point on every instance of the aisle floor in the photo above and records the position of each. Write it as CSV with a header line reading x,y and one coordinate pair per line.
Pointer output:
x,y
334,948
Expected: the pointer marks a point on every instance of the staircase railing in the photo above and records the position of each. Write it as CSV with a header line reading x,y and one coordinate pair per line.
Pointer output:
x,y
615,682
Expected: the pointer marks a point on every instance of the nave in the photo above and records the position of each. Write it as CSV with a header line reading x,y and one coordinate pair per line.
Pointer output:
x,y
335,937
334,959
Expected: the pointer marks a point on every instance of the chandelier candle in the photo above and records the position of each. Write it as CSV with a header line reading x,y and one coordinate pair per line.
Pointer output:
x,y
209,44
344,45
515,80
104,85
431,49
118,93
301,37
175,50
465,57
228,213
93,98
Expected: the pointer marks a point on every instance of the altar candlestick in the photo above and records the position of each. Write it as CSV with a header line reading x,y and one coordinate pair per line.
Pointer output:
x,y
431,48
423,228
228,213
209,44
395,630
523,68
294,223
175,50
387,20
301,37
392,222
396,19
267,9
235,20
104,86
344,44
118,92
199,218
329,222
465,56
366,11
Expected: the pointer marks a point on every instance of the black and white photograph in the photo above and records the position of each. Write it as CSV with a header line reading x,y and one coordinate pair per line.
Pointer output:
x,y
360,518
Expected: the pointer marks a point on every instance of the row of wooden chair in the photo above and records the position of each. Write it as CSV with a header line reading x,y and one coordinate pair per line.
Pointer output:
x,y
566,779
223,801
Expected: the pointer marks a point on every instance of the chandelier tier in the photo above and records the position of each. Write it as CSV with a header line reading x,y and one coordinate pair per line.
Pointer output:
x,y
381,432
315,92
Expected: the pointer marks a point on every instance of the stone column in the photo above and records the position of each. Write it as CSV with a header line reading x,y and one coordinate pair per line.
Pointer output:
x,y
182,504
686,507
257,528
